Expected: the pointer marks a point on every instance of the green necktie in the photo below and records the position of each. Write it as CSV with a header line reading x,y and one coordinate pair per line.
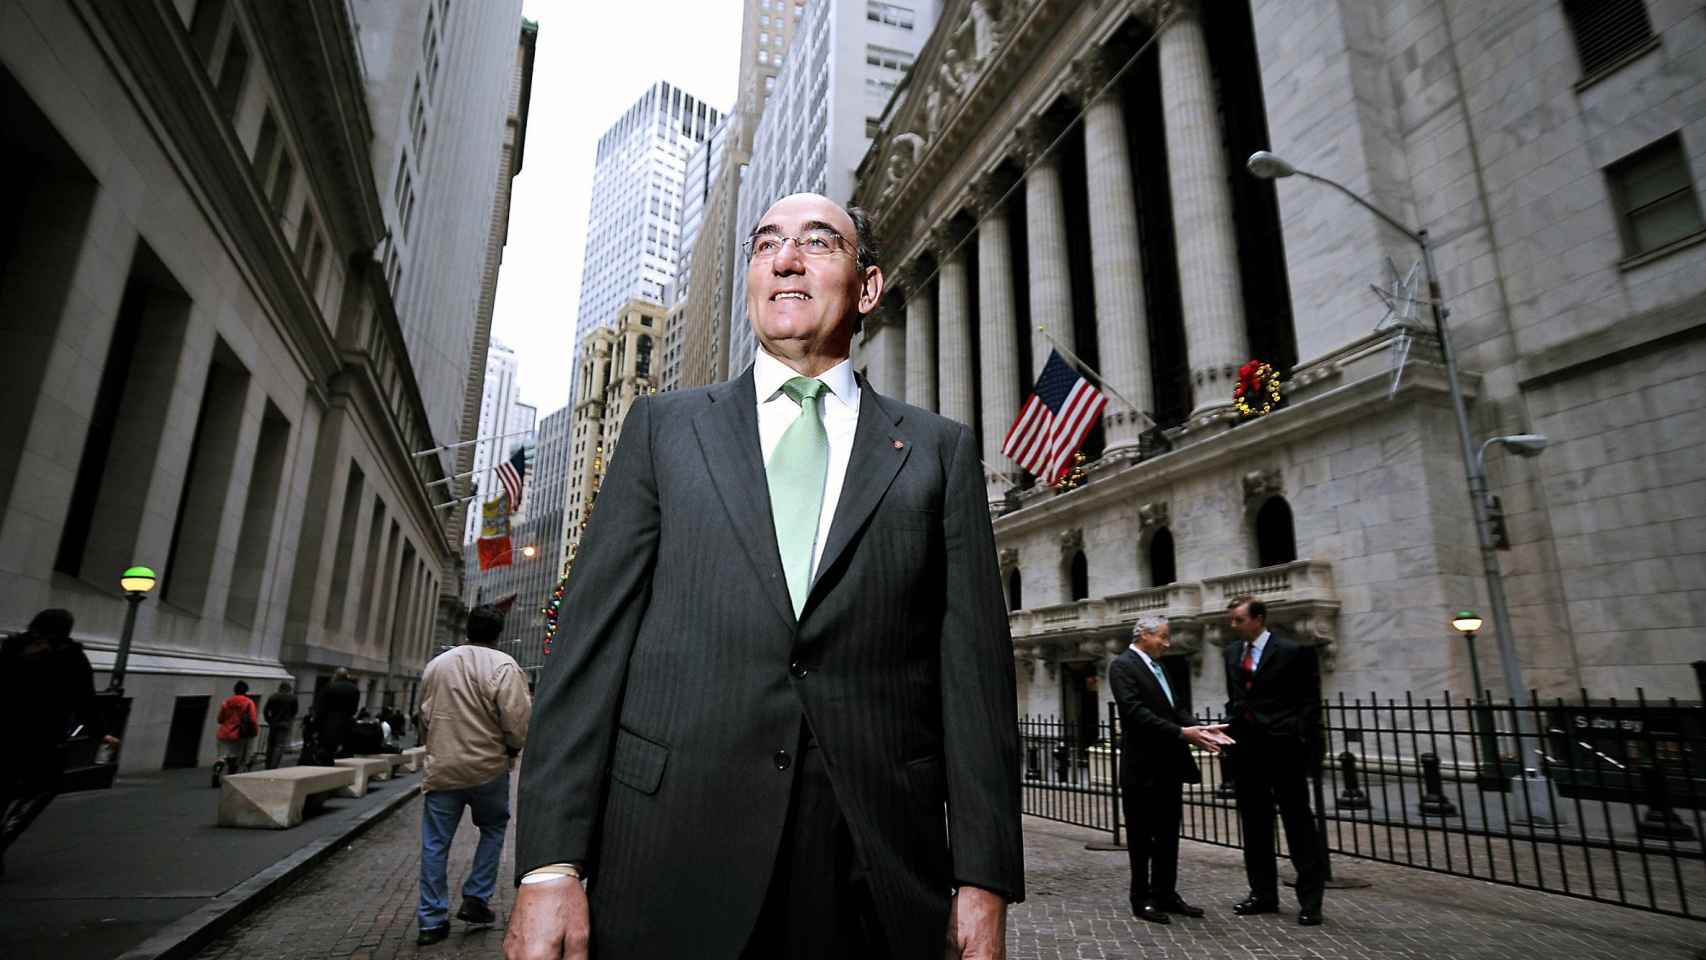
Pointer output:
x,y
797,470
1161,677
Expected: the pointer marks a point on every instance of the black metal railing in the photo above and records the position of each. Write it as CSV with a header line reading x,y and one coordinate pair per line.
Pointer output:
x,y
1604,800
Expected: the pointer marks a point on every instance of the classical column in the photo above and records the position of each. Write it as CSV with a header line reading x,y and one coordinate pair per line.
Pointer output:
x,y
1045,233
1209,282
920,338
954,360
884,354
1122,329
998,335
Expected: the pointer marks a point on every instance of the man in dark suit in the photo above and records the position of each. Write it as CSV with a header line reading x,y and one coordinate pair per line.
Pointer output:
x,y
780,717
1273,710
1155,764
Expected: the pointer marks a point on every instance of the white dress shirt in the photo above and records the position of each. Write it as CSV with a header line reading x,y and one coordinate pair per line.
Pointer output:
x,y
1166,687
1256,651
838,407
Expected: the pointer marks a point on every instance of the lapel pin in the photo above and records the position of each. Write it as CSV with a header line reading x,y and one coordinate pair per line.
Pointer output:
x,y
898,445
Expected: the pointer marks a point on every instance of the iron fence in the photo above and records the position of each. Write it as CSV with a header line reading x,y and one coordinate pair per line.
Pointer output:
x,y
1614,810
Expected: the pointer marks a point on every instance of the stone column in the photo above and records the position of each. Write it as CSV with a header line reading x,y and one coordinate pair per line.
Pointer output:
x,y
1209,282
1045,233
885,351
1122,327
998,335
955,363
920,338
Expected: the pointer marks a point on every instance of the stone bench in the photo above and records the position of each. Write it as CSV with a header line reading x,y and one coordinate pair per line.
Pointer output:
x,y
393,761
366,770
414,758
275,799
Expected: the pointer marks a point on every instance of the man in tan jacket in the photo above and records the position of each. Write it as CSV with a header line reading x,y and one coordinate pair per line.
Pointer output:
x,y
474,710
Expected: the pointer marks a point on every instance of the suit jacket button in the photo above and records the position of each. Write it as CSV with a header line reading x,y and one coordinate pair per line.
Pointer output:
x,y
798,669
782,760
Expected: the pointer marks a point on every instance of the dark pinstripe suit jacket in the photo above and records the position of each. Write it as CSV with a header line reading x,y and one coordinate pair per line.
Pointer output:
x,y
680,671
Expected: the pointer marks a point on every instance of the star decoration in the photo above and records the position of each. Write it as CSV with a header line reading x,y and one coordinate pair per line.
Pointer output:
x,y
1400,296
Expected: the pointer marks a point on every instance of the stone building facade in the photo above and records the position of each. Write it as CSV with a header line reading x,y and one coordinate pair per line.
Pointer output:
x,y
208,371
618,364
1059,174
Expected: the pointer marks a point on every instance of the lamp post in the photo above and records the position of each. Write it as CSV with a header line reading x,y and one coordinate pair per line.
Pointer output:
x,y
1467,622
136,581
1269,166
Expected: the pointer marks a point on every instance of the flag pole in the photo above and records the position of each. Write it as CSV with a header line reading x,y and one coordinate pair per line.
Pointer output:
x,y
1100,380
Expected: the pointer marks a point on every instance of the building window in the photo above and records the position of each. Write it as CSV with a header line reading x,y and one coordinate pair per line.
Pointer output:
x,y
1654,193
893,14
1607,31
1015,600
1276,541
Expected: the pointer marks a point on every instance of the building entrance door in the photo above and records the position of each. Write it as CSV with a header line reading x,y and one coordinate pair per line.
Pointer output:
x,y
183,740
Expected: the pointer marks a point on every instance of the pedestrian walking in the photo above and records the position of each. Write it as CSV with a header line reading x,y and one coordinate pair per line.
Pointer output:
x,y
47,689
238,727
335,707
1273,711
280,713
475,703
1155,764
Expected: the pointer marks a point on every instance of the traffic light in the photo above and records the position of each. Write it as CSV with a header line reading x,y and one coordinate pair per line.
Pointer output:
x,y
1496,524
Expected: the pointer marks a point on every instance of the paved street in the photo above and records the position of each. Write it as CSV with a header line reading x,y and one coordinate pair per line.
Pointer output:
x,y
104,870
360,904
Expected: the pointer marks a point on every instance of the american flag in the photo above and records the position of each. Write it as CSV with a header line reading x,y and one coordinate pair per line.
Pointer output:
x,y
510,473
1053,422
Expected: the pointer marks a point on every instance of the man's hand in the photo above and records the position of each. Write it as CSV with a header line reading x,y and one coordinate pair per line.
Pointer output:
x,y
551,921
1208,736
977,925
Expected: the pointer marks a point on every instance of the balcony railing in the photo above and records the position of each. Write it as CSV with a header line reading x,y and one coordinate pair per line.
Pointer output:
x,y
1190,603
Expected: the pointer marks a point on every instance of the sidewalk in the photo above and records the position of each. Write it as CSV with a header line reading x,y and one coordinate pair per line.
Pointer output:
x,y
103,871
361,902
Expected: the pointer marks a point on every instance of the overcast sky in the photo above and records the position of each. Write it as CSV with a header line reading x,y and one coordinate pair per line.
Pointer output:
x,y
593,61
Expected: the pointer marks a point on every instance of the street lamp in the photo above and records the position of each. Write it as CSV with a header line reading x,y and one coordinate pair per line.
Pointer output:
x,y
1467,622
530,551
1269,166
136,582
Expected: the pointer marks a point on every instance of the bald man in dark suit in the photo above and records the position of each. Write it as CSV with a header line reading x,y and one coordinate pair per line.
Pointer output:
x,y
780,719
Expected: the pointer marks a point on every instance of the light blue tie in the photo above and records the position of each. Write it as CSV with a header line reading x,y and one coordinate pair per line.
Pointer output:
x,y
1161,677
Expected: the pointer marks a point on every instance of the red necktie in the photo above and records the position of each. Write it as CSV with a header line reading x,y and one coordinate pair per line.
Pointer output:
x,y
1249,664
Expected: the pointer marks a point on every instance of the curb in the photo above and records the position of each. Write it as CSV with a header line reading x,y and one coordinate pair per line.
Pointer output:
x,y
187,935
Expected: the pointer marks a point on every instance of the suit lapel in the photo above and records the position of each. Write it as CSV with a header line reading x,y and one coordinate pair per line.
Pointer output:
x,y
880,448
728,437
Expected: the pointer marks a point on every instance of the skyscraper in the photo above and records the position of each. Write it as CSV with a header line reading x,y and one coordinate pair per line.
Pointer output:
x,y
846,62
699,325
501,414
633,227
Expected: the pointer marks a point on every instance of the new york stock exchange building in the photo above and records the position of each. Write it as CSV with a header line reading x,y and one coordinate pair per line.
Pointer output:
x,y
1072,175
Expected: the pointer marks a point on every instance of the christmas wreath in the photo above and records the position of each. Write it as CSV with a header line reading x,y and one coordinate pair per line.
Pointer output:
x,y
1258,390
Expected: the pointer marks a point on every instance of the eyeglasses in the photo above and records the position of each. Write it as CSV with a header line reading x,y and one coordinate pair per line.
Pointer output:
x,y
812,243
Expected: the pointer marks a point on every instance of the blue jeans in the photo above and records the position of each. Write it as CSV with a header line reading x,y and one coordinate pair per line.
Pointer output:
x,y
441,813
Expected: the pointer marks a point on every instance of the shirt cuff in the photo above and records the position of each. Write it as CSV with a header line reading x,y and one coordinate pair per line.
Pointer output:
x,y
552,871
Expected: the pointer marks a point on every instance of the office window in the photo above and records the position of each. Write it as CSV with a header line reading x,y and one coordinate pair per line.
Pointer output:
x,y
1654,193
893,14
1607,31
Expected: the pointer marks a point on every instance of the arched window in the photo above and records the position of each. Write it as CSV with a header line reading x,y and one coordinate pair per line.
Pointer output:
x,y
1161,567
1014,601
1275,540
1078,576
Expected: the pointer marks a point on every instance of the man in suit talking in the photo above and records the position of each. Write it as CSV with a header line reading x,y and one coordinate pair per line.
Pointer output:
x,y
1273,710
780,718
1155,764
